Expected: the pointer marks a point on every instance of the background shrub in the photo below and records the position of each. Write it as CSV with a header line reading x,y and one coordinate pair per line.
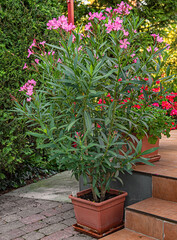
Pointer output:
x,y
20,23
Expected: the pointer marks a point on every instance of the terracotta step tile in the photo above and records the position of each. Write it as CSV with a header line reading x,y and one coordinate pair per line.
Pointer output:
x,y
126,234
170,231
167,166
164,188
144,224
162,209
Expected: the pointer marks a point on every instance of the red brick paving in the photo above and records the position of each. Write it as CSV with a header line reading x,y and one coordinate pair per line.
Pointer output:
x,y
32,219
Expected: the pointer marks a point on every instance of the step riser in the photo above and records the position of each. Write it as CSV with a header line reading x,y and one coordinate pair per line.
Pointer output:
x,y
150,226
164,188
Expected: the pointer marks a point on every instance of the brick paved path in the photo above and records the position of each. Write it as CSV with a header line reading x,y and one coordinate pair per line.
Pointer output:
x,y
32,219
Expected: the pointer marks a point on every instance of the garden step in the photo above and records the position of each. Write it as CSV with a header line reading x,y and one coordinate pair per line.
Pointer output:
x,y
126,234
164,188
167,165
153,217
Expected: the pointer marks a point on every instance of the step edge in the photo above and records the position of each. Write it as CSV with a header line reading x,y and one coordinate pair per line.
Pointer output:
x,y
152,215
154,174
141,234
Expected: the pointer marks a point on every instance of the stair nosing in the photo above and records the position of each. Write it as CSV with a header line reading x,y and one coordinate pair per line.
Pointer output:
x,y
151,214
154,174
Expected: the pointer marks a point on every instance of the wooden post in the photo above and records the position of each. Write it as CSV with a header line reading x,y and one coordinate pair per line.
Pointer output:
x,y
70,11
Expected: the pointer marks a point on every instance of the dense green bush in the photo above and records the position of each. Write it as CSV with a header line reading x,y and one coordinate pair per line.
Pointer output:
x,y
20,23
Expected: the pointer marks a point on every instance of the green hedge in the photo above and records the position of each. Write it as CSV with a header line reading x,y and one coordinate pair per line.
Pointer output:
x,y
20,23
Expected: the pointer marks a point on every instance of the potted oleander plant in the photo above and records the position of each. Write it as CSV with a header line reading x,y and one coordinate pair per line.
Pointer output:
x,y
70,111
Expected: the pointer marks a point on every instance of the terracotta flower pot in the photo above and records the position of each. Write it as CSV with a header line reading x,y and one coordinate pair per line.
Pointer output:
x,y
154,156
99,217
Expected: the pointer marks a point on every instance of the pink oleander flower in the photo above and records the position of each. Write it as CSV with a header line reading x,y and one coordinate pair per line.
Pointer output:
x,y
62,23
33,44
124,43
73,39
88,26
42,43
98,126
108,9
132,55
79,48
168,46
135,31
135,60
37,61
25,66
29,53
123,8
125,33
154,35
156,49
159,39
155,104
32,81
109,26
97,15
28,99
117,24
59,61
119,80
149,49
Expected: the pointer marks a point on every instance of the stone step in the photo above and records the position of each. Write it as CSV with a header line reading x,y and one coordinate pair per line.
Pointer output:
x,y
153,217
167,165
164,188
126,234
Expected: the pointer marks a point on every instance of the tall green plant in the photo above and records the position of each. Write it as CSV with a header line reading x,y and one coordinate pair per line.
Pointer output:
x,y
70,111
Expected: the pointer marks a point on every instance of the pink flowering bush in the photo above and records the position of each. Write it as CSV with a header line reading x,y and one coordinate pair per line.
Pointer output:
x,y
84,108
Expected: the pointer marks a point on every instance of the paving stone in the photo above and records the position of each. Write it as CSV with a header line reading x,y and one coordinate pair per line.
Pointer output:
x,y
69,221
33,227
71,230
12,234
2,222
49,212
11,218
79,237
52,228
49,204
33,236
10,226
29,212
19,238
67,207
54,219
68,214
58,235
32,219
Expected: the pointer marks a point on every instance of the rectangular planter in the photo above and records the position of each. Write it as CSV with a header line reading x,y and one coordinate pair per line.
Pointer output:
x,y
99,217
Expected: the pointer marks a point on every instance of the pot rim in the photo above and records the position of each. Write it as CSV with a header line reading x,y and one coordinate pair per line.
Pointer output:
x,y
122,195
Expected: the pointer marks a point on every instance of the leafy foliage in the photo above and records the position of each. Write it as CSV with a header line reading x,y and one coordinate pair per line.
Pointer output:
x,y
20,23
86,133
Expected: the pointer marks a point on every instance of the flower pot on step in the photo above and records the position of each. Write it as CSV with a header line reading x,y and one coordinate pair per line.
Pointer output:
x,y
154,156
99,219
